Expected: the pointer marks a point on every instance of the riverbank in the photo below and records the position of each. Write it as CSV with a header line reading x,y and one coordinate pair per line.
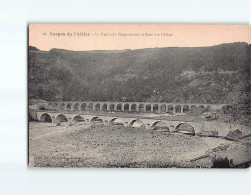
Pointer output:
x,y
84,145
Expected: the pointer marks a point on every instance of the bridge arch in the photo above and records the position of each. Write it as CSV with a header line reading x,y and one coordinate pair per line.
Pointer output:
x,y
55,105
45,117
61,107
83,107
104,107
117,121
119,107
201,108
170,108
126,107
112,107
77,119
90,107
177,108
97,107
69,106
154,124
161,126
61,118
141,108
186,109
133,107
112,120
136,123
96,119
148,108
155,108
76,107
185,128
193,108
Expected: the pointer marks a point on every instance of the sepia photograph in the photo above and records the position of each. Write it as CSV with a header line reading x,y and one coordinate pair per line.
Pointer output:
x,y
139,96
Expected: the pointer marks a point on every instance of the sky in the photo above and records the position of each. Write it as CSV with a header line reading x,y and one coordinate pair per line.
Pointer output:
x,y
85,37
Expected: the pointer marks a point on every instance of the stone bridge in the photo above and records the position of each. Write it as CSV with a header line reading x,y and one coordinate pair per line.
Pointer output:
x,y
197,127
106,120
133,106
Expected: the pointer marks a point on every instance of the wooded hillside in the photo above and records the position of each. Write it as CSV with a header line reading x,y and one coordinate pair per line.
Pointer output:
x,y
205,75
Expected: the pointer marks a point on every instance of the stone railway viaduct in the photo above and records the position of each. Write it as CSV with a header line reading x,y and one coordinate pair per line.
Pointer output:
x,y
133,106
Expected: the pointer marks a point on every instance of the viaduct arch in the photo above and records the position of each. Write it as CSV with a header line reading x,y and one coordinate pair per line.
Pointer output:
x,y
151,107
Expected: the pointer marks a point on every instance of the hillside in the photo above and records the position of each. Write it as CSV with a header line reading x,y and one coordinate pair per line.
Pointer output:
x,y
208,75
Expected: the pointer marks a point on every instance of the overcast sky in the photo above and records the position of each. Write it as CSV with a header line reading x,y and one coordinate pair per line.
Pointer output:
x,y
82,37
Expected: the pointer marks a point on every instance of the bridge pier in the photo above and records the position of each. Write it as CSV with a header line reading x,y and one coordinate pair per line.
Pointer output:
x,y
70,121
108,107
172,128
137,108
53,119
106,123
100,107
148,126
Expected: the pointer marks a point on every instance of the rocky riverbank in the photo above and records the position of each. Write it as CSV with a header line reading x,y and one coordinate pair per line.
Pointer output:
x,y
84,145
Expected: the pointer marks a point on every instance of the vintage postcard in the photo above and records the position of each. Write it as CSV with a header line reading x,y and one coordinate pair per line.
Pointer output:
x,y
139,96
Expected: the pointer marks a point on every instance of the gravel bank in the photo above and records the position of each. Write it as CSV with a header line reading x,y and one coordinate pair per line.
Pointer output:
x,y
83,145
